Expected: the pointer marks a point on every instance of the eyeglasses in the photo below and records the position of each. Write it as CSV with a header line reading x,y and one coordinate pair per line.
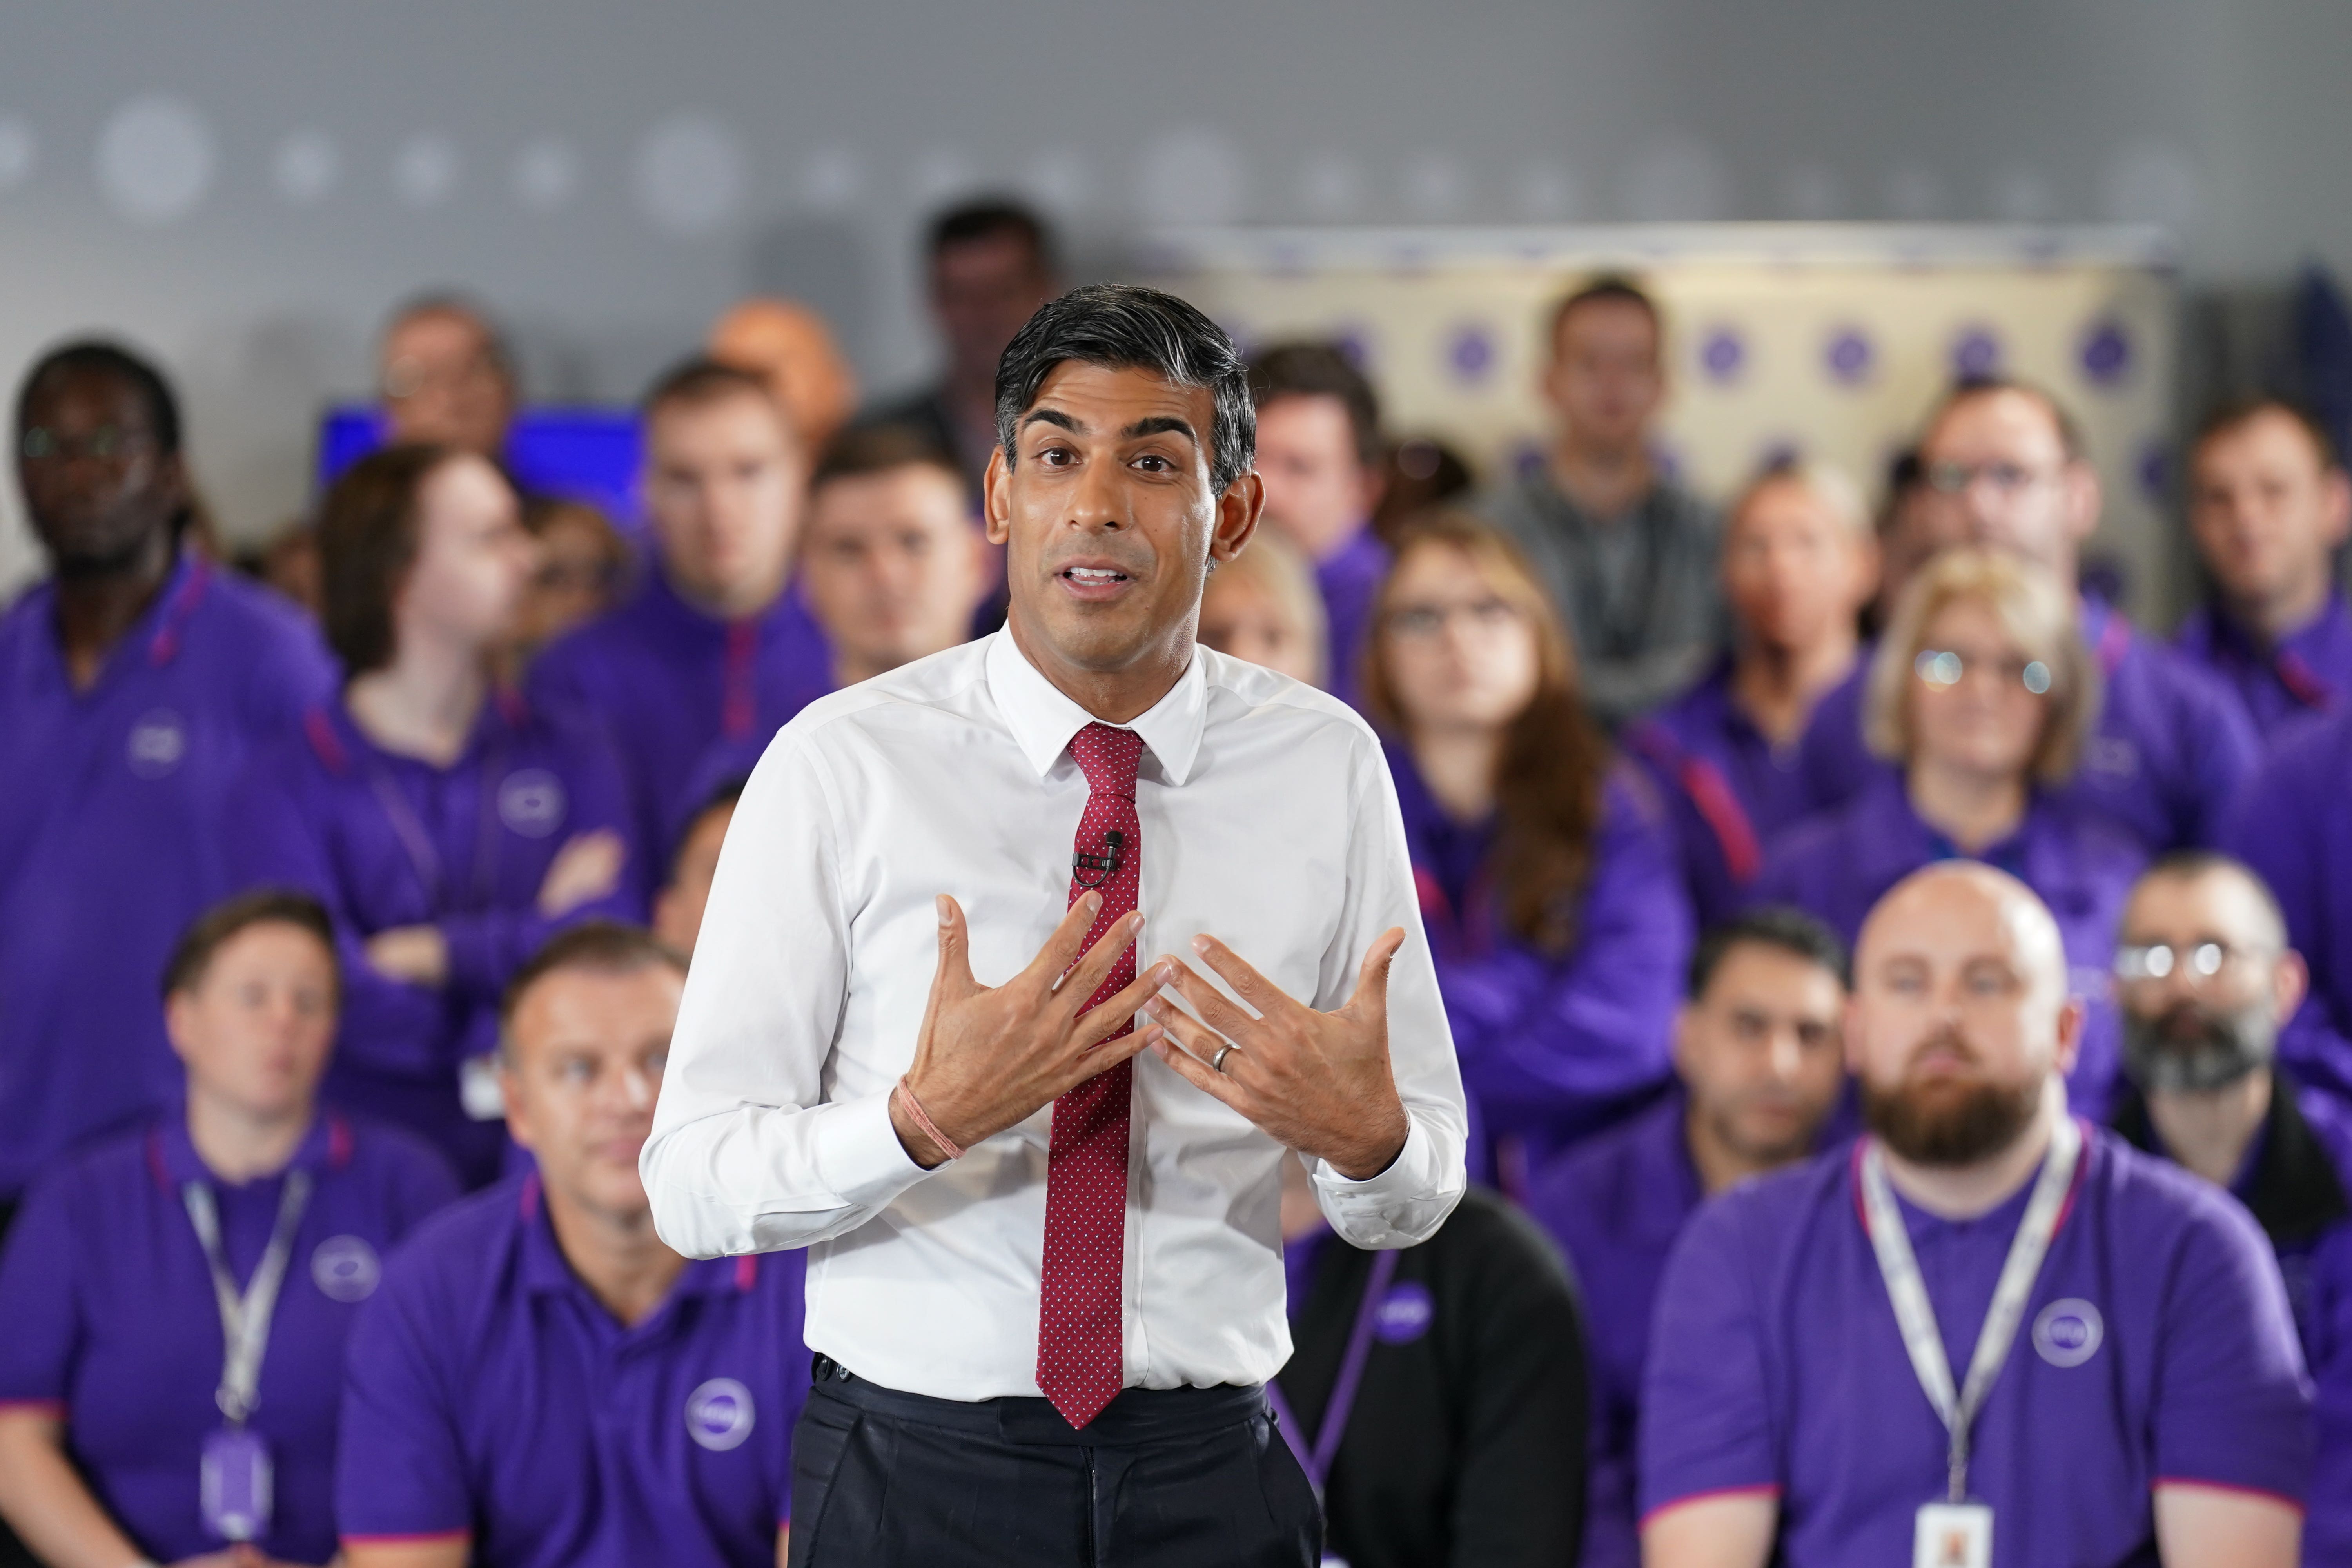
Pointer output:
x,y
1942,668
108,444
1424,621
2006,479
2196,965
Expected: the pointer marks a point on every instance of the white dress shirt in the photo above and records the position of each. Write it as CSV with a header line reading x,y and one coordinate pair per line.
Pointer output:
x,y
1268,820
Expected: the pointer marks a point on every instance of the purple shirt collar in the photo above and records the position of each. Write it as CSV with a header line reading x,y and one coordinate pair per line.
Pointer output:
x,y
172,1154
160,628
544,1271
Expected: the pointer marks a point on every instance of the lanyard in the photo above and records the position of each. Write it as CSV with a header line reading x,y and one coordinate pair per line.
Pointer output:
x,y
245,1320
416,843
1916,1316
1316,1458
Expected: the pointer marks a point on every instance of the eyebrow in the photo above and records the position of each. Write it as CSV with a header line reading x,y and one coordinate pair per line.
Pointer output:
x,y
1154,425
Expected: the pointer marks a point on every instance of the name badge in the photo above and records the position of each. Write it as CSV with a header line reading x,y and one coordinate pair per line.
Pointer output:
x,y
478,1091
235,1484
1953,1535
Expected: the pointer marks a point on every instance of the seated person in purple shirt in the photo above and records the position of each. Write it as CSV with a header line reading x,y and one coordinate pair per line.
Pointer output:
x,y
2114,1367
2003,467
1757,1053
135,681
1546,869
716,644
2291,826
127,1436
447,825
892,564
679,907
1321,452
1435,1395
540,1382
1262,606
2206,979
1980,694
2269,506
1799,562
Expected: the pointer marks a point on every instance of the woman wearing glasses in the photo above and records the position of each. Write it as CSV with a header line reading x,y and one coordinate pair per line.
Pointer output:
x,y
1548,882
1981,694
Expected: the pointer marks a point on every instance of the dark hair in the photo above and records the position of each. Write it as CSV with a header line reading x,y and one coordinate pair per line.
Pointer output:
x,y
700,380
2245,410
367,541
863,449
600,947
94,356
724,798
215,929
1123,326
1320,370
2189,865
1609,286
1548,781
1790,930
1969,388
988,217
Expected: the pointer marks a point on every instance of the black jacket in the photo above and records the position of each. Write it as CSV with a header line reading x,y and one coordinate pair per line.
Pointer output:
x,y
1467,1443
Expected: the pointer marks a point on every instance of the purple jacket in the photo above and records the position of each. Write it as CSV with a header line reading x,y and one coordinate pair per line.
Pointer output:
x,y
2309,671
1729,791
1350,580
111,801
1838,865
1615,1205
671,683
2293,825
1553,1046
387,840
2172,747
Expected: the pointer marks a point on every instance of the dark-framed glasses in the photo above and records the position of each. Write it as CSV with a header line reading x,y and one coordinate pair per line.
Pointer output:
x,y
2194,962
1942,668
108,444
1960,478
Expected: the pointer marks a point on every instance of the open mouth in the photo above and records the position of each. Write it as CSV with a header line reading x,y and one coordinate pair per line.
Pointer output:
x,y
1094,581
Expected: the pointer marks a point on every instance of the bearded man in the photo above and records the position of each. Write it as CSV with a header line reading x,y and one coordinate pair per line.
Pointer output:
x,y
1984,1321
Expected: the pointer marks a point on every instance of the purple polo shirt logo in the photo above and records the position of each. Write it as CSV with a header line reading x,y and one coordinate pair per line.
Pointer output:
x,y
2067,1333
531,802
1404,1314
158,741
719,1415
2114,755
345,1268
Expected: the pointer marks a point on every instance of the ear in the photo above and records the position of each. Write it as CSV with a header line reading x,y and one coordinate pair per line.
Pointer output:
x,y
1371,486
179,1022
996,498
1869,570
1238,511
1682,1041
1849,1034
2083,499
518,1104
2290,984
2335,507
2071,1016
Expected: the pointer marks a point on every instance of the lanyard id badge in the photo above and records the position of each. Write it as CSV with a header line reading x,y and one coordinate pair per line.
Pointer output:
x,y
1956,1532
235,1477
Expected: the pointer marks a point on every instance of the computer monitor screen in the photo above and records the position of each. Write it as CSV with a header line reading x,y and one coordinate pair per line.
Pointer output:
x,y
582,454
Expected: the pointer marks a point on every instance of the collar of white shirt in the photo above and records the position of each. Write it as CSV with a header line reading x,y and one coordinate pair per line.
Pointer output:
x,y
1043,718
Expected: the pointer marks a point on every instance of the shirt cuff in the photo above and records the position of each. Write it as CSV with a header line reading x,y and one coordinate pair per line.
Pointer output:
x,y
858,1155
1401,1206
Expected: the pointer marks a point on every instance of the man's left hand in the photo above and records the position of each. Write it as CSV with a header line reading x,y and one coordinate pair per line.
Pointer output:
x,y
1316,1082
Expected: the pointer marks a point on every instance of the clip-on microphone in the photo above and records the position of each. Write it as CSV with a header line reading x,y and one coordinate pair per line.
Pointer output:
x,y
1104,865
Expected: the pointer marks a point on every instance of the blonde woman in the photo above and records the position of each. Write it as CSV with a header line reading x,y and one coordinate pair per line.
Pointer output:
x,y
1263,605
1980,694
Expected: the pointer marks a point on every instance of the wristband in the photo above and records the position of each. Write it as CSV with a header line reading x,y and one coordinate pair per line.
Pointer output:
x,y
915,1114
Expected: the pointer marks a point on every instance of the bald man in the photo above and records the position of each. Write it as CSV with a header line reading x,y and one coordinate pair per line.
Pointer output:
x,y
791,346
2106,1334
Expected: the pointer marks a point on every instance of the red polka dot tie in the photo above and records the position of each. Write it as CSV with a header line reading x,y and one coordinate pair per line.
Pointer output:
x,y
1080,1318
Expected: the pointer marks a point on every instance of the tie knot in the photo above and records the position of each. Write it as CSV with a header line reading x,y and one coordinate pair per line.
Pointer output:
x,y
1108,756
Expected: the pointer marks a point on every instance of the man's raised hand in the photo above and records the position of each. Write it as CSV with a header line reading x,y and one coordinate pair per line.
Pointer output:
x,y
1317,1082
988,1058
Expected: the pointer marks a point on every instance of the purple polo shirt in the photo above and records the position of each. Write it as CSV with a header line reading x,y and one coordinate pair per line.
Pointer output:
x,y
2307,671
1553,1045
2171,748
111,1321
1615,1205
111,801
2156,1347
2291,826
1351,578
671,682
489,1392
1837,865
1729,790
386,840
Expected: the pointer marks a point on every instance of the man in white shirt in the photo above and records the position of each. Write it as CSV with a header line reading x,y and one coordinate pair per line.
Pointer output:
x,y
1045,1277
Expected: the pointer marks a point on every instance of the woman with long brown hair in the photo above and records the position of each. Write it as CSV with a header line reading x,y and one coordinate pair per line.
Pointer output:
x,y
1547,879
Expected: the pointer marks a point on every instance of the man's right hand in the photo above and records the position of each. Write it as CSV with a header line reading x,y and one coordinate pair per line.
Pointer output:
x,y
988,1059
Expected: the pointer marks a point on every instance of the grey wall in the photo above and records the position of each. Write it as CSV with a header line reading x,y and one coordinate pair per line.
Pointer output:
x,y
246,184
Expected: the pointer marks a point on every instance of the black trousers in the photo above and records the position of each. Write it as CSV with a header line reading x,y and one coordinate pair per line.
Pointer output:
x,y
1180,1477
